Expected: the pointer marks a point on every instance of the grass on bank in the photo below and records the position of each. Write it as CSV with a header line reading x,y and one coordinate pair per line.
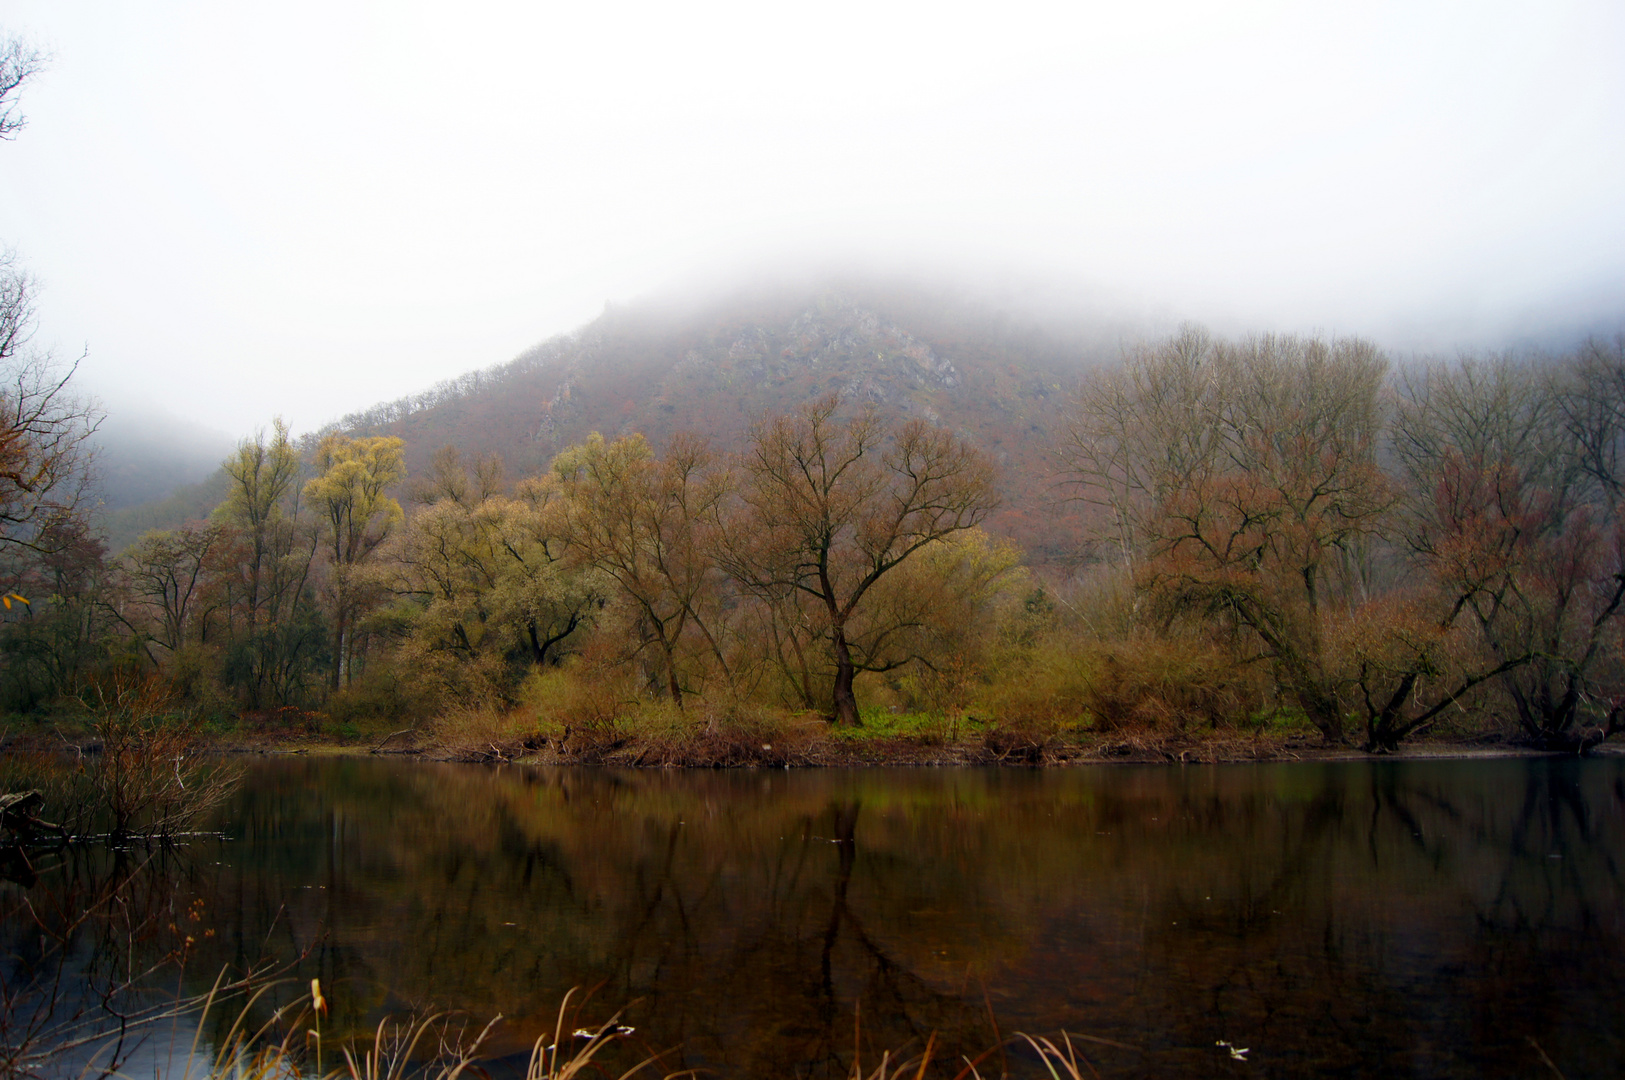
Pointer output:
x,y
567,719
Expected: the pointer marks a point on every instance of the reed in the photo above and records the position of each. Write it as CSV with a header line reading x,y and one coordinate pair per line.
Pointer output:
x,y
289,1044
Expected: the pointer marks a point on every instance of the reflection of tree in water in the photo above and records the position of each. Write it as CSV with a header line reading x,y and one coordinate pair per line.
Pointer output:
x,y
744,947
92,940
1405,924
1356,920
1551,924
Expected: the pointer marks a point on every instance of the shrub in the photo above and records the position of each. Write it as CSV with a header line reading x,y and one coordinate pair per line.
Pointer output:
x,y
1170,683
150,778
381,694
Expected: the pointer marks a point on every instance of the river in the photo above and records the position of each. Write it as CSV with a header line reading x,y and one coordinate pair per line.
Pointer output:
x,y
1427,919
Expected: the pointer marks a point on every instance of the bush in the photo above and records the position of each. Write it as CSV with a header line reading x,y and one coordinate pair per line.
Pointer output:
x,y
580,704
1145,682
1170,684
150,778
381,694
1051,686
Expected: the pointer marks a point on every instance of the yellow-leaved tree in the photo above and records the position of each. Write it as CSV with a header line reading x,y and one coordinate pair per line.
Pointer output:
x,y
274,645
499,600
350,497
647,523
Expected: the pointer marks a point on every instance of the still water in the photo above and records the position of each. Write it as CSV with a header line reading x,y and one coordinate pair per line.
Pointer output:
x,y
1429,919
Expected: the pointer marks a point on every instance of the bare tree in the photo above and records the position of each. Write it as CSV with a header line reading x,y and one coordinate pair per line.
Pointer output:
x,y
1512,465
166,572
1592,401
1141,432
19,62
1242,479
45,457
833,505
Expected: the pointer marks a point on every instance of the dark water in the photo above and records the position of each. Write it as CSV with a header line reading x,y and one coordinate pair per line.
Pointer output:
x,y
1422,919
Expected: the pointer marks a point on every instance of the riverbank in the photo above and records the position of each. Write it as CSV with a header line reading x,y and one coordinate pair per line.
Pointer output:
x,y
857,751
780,741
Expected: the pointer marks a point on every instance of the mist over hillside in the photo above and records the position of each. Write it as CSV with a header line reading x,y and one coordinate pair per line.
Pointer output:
x,y
998,370
995,371
154,470
997,377
142,457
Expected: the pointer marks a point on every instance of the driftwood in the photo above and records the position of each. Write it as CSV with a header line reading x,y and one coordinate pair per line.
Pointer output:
x,y
18,814
380,747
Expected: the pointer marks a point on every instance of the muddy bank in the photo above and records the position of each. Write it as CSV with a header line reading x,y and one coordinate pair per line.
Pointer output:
x,y
816,746
835,751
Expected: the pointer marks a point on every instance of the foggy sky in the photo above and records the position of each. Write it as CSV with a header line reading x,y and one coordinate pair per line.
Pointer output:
x,y
301,209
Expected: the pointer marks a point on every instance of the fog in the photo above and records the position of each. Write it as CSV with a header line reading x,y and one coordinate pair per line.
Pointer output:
x,y
144,454
301,209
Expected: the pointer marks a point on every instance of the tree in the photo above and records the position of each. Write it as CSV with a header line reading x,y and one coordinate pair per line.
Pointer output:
x,y
1242,481
833,505
49,645
19,62
1411,665
647,525
1512,469
166,572
276,643
1592,401
491,571
45,458
262,476
1140,434
350,497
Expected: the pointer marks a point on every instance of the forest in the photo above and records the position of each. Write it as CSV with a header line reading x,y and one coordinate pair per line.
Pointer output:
x,y
1285,540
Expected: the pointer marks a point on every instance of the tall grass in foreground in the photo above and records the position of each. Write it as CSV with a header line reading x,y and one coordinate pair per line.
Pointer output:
x,y
437,1047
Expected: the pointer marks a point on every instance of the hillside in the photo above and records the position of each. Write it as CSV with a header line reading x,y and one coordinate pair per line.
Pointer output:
x,y
145,457
154,470
998,380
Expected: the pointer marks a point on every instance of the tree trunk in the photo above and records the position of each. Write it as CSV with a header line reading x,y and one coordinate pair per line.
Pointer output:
x,y
673,687
1323,711
846,703
338,648
539,646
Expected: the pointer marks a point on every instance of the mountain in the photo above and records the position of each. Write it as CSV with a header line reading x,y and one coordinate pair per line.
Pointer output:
x,y
142,456
998,375
125,525
154,470
999,379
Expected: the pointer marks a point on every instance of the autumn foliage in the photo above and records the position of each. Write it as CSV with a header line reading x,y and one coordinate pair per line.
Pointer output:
x,y
1397,552
1285,538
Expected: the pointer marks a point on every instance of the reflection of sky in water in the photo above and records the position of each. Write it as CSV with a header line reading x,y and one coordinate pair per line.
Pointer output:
x,y
164,1051
1346,919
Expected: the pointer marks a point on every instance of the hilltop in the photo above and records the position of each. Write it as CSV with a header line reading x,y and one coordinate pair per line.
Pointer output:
x,y
1000,378
997,379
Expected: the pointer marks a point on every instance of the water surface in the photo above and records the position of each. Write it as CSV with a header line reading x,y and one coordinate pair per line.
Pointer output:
x,y
1350,919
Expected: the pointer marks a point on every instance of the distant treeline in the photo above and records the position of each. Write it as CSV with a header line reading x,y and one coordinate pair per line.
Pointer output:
x,y
1287,533
461,386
